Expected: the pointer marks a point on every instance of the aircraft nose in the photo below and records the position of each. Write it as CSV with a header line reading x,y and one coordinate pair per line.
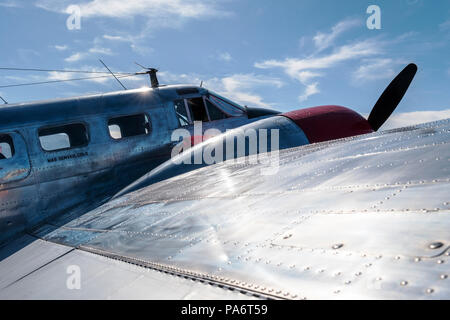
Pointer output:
x,y
329,122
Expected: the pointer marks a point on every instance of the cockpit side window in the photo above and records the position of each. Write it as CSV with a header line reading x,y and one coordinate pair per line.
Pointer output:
x,y
227,107
197,109
214,112
63,137
180,111
6,147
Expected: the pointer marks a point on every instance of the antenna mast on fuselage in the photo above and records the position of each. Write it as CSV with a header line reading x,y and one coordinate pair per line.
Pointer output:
x,y
152,74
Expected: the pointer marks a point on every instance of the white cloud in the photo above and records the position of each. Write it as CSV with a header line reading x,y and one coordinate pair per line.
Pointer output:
x,y
59,76
10,4
237,87
310,90
325,40
374,69
305,76
115,38
400,120
445,25
100,50
96,50
154,9
135,42
157,14
293,67
60,47
302,69
225,56
75,57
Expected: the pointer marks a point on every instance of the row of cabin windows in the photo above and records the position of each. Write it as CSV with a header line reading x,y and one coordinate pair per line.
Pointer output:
x,y
76,134
204,109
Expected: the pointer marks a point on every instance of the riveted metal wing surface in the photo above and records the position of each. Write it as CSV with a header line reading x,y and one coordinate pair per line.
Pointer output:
x,y
364,217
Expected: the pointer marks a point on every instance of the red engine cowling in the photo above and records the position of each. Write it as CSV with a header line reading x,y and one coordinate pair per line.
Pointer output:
x,y
329,123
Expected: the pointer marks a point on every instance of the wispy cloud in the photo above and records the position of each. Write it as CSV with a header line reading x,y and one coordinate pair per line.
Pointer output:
x,y
294,67
225,56
75,57
60,47
374,69
238,87
116,38
56,76
94,51
154,9
325,40
400,120
310,90
301,69
157,14
136,42
101,51
10,4
445,25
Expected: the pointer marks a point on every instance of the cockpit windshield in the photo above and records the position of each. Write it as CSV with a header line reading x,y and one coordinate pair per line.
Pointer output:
x,y
230,108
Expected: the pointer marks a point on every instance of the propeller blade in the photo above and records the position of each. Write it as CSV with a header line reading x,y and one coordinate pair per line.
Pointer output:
x,y
391,97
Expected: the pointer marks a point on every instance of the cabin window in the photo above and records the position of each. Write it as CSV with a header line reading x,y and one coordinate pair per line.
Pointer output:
x,y
180,111
129,126
197,109
6,147
63,137
226,106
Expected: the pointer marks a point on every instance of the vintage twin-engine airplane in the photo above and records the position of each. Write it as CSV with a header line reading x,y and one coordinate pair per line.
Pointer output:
x,y
350,213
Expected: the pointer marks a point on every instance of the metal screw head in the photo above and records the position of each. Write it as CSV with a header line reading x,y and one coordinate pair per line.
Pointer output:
x,y
404,283
337,246
443,276
430,290
435,245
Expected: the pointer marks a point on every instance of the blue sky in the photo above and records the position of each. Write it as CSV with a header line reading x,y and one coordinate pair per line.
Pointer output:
x,y
280,54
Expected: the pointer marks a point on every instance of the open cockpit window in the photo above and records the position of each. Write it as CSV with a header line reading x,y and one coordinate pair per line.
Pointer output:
x,y
129,126
197,109
6,147
63,137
